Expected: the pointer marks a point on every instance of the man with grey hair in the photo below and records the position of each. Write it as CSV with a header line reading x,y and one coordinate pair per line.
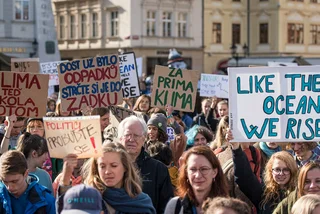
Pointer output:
x,y
132,133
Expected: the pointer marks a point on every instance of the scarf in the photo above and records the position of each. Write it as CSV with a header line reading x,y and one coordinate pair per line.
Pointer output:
x,y
266,150
119,200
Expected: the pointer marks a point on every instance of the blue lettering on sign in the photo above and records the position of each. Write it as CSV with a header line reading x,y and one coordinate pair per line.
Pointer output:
x,y
126,68
270,122
256,84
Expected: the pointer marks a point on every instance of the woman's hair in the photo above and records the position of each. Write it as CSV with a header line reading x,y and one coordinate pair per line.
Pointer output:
x,y
196,129
303,175
272,189
155,110
100,111
38,122
306,204
161,152
28,143
220,139
136,105
219,185
212,205
131,180
223,102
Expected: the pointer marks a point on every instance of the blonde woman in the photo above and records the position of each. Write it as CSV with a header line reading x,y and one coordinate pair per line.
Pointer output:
x,y
115,176
308,204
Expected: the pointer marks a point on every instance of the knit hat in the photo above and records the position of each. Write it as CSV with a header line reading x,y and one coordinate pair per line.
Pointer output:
x,y
82,199
158,120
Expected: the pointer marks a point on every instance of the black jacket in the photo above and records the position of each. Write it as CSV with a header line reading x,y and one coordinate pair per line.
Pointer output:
x,y
207,121
156,180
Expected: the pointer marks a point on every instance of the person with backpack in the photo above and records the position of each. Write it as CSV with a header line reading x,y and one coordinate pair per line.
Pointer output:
x,y
200,178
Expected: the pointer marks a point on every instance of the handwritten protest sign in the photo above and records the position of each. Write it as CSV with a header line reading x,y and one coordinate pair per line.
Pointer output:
x,y
129,77
174,86
51,69
279,104
93,82
23,94
117,114
73,135
29,65
214,85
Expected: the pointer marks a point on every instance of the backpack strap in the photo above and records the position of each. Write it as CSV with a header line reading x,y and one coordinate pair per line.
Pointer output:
x,y
178,207
254,158
227,165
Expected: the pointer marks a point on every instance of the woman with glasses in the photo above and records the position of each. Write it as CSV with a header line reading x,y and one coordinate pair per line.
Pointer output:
x,y
201,177
308,183
279,178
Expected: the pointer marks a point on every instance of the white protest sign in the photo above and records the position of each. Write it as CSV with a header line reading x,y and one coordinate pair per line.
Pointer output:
x,y
277,64
170,133
214,85
73,135
278,104
129,76
51,69
139,62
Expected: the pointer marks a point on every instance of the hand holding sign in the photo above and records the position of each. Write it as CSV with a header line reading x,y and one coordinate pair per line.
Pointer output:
x,y
70,162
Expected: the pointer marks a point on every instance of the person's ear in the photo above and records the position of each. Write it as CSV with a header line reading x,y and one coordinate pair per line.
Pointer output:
x,y
214,173
34,154
26,174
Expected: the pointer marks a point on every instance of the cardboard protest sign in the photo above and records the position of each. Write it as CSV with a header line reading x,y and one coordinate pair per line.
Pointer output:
x,y
174,86
73,135
28,65
214,85
129,76
23,94
93,82
117,114
279,104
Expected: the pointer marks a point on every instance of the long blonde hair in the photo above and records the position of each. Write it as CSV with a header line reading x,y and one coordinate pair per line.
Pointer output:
x,y
220,138
131,180
306,204
272,189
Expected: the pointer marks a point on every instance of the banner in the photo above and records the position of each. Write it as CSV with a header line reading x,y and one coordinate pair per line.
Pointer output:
x,y
279,104
51,69
129,76
73,135
174,86
23,94
25,65
93,82
214,85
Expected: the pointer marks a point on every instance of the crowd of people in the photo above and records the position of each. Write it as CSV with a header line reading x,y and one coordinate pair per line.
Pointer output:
x,y
141,171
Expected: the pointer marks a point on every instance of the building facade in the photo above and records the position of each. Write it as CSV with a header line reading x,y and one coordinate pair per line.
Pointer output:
x,y
150,28
277,28
26,30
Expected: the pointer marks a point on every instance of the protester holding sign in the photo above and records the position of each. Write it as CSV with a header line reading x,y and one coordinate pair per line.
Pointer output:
x,y
10,132
279,178
308,183
206,117
104,114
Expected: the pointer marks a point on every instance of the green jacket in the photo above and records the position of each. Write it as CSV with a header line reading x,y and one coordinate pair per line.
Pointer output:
x,y
286,204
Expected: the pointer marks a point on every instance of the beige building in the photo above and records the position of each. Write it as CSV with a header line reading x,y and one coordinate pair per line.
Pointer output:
x,y
150,28
277,28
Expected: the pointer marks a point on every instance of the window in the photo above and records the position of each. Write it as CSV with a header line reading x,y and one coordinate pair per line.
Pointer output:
x,y
114,23
151,23
235,33
50,47
83,25
72,27
166,24
61,27
295,33
22,10
216,32
263,33
182,25
315,34
94,25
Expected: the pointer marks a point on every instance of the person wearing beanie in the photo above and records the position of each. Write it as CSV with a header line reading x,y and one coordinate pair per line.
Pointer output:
x,y
157,129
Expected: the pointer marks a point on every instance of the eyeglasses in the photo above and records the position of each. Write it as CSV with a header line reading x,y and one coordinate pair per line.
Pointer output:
x,y
278,171
33,128
202,170
133,136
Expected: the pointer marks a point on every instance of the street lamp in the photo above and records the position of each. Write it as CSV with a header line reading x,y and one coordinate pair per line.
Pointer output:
x,y
34,47
245,50
234,53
